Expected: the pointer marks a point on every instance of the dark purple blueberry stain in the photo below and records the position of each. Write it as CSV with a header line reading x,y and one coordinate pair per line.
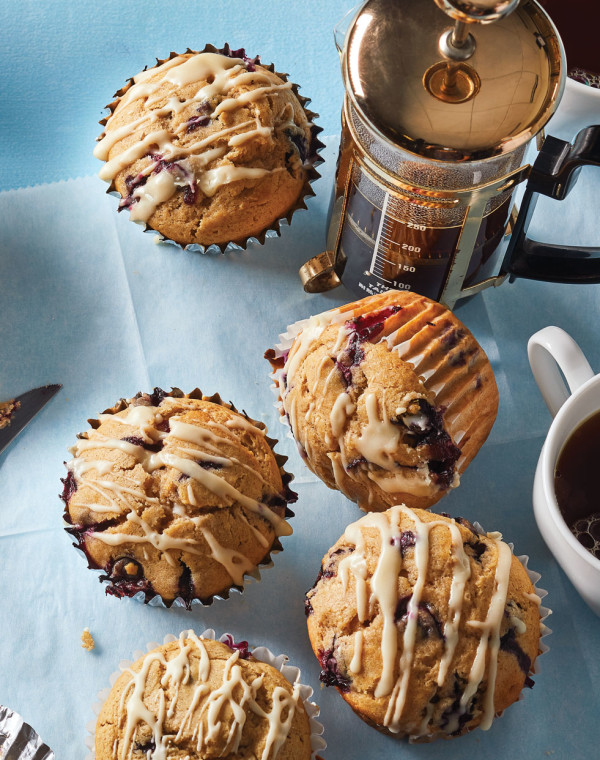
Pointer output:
x,y
186,591
458,359
451,337
120,583
70,486
455,713
308,608
355,463
508,643
201,120
405,540
369,326
163,426
330,674
145,747
362,329
137,441
127,568
241,647
209,465
330,570
427,620
475,550
157,396
466,524
478,382
249,63
298,140
132,183
183,477
443,453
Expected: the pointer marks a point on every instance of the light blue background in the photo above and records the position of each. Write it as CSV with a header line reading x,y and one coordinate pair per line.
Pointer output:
x,y
87,300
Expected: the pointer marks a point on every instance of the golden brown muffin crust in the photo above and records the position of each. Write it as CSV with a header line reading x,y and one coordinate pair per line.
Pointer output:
x,y
202,140
201,699
389,398
176,496
428,560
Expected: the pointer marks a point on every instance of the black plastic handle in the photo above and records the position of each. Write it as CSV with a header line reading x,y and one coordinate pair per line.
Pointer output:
x,y
554,174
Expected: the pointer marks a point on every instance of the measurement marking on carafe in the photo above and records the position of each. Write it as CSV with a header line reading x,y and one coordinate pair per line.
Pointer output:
x,y
380,232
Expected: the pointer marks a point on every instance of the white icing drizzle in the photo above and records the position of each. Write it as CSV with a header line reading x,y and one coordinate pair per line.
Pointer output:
x,y
119,496
342,408
404,479
380,438
382,590
356,662
518,624
490,636
208,708
222,75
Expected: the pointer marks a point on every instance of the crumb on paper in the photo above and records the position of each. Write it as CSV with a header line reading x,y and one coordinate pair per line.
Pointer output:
x,y
87,640
7,409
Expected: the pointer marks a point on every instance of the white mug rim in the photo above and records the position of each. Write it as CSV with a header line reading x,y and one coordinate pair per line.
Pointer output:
x,y
584,89
548,464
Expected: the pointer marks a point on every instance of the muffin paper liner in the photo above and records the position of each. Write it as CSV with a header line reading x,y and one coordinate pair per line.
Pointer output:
x,y
274,229
154,599
18,740
412,352
279,662
534,577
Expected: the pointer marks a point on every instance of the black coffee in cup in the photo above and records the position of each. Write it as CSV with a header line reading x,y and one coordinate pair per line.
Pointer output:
x,y
578,23
576,483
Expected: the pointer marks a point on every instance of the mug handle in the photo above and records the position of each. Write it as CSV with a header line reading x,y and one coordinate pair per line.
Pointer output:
x,y
552,351
554,174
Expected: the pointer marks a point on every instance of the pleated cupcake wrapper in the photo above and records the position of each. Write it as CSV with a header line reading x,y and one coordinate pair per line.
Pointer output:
x,y
410,353
18,740
534,577
279,662
274,229
154,599
286,341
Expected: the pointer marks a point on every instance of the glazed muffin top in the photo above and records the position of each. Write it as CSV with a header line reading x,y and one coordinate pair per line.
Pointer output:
x,y
389,398
197,698
207,147
426,626
175,495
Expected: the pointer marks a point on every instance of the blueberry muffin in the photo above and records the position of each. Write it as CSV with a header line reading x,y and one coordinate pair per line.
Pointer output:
x,y
176,495
196,698
208,148
424,625
388,398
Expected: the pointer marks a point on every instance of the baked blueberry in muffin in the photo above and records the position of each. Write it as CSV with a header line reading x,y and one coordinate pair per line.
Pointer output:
x,y
197,698
388,398
425,626
209,147
177,496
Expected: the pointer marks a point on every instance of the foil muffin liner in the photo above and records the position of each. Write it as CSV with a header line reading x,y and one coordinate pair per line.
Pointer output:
x,y
273,230
152,598
279,662
18,740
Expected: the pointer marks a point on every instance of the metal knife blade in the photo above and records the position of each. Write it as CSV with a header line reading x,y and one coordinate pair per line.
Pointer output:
x,y
21,410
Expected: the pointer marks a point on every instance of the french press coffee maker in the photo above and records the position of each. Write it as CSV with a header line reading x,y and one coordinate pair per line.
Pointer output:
x,y
437,116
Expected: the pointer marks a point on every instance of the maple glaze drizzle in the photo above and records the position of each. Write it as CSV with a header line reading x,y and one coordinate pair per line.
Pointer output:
x,y
382,589
131,501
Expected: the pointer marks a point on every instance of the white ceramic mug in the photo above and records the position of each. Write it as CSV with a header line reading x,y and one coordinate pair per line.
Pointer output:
x,y
551,349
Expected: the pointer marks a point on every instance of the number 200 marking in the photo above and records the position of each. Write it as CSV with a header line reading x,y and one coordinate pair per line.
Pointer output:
x,y
411,248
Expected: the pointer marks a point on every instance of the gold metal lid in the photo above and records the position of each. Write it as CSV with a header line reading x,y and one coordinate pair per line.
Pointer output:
x,y
484,97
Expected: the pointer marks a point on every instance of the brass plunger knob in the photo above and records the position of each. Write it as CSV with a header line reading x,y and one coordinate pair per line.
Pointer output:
x,y
454,81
